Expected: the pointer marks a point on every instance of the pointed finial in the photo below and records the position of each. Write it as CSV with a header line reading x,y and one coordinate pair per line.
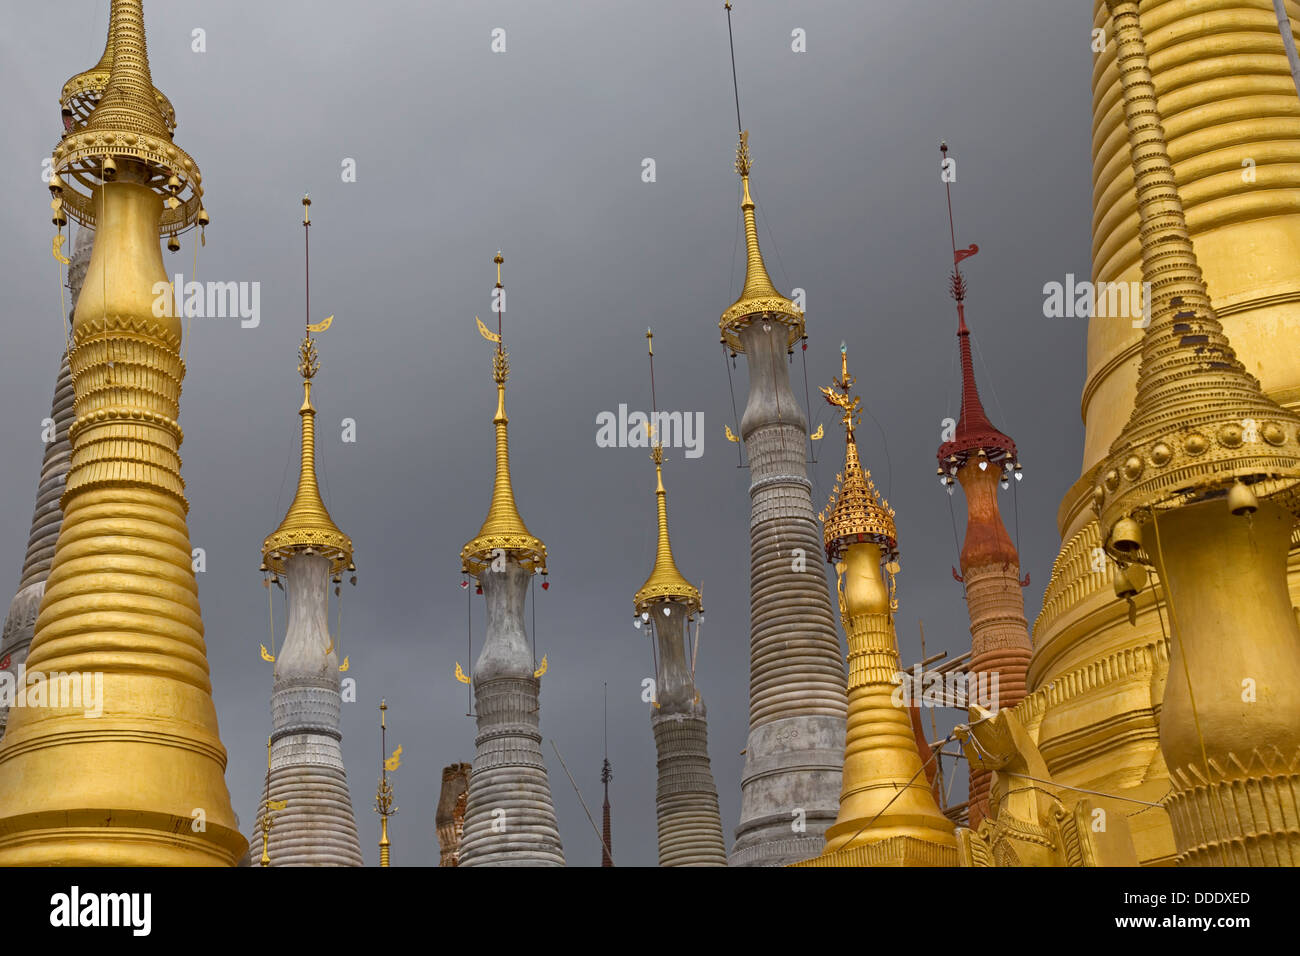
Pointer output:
x,y
503,529
307,526
975,434
665,583
759,300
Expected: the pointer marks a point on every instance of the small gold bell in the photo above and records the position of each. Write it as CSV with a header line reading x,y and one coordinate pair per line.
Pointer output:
x,y
1130,580
173,244
1126,536
109,171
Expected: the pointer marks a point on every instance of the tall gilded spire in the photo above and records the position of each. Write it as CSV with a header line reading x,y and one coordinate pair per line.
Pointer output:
x,y
888,815
666,606
121,603
509,814
305,771
665,583
759,298
503,529
1190,433
1203,484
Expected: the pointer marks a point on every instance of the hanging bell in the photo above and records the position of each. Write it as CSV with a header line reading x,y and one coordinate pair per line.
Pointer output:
x,y
173,184
173,244
1241,500
1126,536
1130,580
1004,483
203,219
1018,473
56,185
108,171
59,217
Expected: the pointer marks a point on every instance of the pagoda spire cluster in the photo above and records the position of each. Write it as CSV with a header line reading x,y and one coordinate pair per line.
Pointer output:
x,y
1158,694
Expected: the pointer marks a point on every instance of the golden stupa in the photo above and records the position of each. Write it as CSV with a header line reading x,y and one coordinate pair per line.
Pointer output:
x,y
142,783
1173,713
888,812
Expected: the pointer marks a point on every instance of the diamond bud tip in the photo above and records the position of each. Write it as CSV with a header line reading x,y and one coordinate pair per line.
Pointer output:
x,y
645,615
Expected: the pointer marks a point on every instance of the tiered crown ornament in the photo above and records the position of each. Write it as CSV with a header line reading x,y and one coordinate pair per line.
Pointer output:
x,y
503,531
82,93
975,437
665,583
307,527
857,512
1201,426
128,121
759,299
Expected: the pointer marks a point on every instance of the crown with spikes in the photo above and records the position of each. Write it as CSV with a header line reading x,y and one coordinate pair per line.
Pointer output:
x,y
129,123
1201,424
503,530
857,512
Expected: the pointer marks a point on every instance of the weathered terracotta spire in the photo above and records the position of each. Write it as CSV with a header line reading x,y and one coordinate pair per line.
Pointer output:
x,y
981,457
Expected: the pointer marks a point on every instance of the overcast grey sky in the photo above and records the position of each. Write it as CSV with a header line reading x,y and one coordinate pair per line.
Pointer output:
x,y
538,152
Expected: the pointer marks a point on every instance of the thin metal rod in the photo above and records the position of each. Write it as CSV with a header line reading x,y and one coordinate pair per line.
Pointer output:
x,y
590,819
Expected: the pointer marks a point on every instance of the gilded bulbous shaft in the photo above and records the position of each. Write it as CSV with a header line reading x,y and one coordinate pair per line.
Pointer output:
x,y
1230,723
128,787
888,815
